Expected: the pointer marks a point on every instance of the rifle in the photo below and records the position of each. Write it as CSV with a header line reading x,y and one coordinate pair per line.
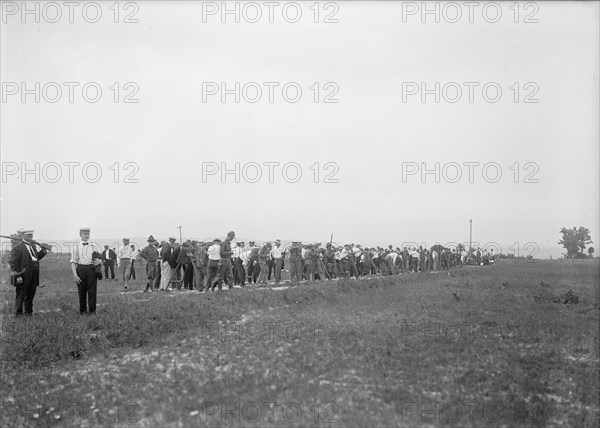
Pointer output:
x,y
46,247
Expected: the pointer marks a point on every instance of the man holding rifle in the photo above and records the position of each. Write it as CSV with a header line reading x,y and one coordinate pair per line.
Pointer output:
x,y
25,264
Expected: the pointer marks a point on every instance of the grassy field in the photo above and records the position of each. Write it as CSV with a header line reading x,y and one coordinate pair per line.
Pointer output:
x,y
513,344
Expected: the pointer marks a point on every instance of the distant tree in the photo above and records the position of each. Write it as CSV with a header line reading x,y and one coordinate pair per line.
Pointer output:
x,y
574,240
591,252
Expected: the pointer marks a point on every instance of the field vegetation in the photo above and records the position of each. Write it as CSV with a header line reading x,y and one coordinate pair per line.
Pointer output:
x,y
512,344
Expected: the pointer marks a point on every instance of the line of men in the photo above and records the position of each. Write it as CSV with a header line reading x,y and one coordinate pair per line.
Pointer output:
x,y
206,266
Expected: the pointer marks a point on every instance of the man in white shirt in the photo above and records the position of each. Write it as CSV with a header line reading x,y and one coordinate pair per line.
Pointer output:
x,y
414,259
214,259
277,256
237,255
392,261
252,269
124,257
246,255
84,257
135,252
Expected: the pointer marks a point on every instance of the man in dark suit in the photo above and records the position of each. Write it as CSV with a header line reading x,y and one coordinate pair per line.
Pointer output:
x,y
150,254
109,257
25,264
175,267
184,259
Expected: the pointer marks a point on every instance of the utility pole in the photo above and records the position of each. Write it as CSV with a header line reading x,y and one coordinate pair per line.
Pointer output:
x,y
180,238
470,235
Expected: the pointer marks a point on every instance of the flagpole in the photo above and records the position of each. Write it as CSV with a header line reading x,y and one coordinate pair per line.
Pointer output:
x,y
470,235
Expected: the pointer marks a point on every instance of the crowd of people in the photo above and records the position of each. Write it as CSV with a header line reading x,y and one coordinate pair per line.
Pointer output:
x,y
208,266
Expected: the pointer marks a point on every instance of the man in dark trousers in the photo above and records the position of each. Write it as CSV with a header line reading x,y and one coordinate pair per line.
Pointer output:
x,y
214,264
166,273
226,270
277,258
175,267
133,257
109,257
150,254
238,263
200,261
25,264
158,246
84,256
296,261
263,258
252,267
184,260
405,260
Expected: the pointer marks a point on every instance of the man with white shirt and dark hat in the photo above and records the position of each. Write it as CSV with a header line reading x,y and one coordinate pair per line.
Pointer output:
x,y
84,257
25,264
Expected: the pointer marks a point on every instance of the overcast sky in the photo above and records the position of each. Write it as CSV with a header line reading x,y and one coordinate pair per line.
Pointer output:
x,y
370,136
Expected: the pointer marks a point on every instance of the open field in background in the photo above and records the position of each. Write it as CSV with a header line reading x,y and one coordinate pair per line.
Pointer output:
x,y
486,346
